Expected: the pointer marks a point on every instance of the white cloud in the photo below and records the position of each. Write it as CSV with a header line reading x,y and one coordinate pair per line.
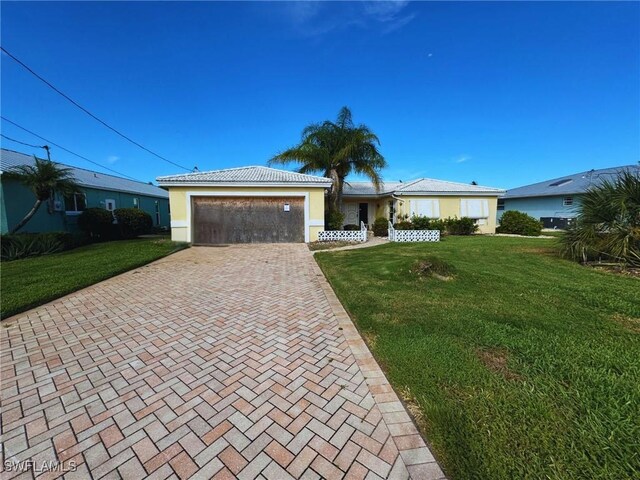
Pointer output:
x,y
314,18
111,159
462,159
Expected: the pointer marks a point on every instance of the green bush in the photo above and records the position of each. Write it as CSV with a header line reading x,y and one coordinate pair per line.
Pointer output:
x,y
381,227
351,227
333,220
438,224
96,222
461,226
519,223
404,225
22,245
132,222
421,223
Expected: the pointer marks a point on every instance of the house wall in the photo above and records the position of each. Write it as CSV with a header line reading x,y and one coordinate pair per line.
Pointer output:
x,y
181,223
17,200
539,207
449,207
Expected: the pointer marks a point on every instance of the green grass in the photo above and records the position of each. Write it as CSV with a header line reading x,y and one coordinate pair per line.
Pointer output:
x,y
33,281
523,365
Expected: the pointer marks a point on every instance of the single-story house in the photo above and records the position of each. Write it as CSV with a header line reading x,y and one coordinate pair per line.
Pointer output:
x,y
61,213
261,204
245,205
554,201
424,197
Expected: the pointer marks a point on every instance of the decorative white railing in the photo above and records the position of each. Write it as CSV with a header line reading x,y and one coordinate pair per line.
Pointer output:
x,y
413,235
344,235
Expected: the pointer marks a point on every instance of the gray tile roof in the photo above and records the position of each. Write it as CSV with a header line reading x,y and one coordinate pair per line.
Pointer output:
x,y
424,186
87,178
570,184
255,174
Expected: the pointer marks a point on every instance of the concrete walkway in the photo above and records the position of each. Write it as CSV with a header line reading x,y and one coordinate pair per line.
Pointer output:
x,y
233,362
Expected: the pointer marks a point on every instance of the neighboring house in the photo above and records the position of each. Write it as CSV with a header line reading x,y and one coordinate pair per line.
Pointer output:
x,y
424,197
61,213
246,205
554,201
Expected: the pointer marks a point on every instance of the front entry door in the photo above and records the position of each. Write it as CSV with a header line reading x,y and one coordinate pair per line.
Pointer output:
x,y
363,213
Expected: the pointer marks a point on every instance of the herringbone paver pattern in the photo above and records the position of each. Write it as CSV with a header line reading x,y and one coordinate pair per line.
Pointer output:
x,y
235,362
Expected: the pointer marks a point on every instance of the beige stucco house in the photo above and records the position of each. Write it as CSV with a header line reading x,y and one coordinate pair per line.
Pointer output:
x,y
245,205
425,197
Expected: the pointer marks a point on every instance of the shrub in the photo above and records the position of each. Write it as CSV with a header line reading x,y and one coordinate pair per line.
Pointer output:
x,y
133,222
381,227
333,220
404,225
519,223
96,222
351,227
24,245
461,226
421,223
438,224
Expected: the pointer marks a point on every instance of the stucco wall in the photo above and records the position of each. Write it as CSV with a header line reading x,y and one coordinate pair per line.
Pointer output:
x,y
449,207
181,224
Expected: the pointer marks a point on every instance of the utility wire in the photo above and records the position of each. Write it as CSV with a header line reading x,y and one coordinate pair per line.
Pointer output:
x,y
18,141
26,67
62,148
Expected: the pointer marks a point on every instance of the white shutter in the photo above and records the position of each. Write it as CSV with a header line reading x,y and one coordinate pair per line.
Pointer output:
x,y
425,208
474,208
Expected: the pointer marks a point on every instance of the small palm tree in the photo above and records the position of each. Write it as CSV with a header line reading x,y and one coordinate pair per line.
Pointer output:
x,y
42,178
608,222
337,149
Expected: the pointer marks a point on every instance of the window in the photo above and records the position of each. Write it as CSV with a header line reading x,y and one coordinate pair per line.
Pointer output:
x,y
75,203
392,210
567,201
500,204
110,204
135,202
474,208
425,208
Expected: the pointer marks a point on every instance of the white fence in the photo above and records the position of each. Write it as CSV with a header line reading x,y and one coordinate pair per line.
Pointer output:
x,y
413,235
344,235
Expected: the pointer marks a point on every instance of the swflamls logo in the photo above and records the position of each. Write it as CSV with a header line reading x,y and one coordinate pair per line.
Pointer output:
x,y
40,467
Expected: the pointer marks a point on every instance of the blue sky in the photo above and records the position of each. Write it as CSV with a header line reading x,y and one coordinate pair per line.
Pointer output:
x,y
505,94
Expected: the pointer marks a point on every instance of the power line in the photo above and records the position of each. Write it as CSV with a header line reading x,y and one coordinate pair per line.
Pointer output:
x,y
63,148
18,141
26,67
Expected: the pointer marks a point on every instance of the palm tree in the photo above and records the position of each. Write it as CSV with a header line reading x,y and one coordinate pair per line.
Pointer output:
x,y
608,222
337,149
42,178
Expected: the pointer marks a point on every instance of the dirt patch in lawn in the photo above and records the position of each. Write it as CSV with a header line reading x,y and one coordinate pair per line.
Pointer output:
x,y
628,323
496,359
433,267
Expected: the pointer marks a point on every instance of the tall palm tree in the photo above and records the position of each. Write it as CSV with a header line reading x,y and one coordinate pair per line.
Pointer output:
x,y
607,224
42,178
337,149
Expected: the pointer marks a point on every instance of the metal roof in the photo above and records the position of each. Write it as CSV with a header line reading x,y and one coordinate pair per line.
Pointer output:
x,y
570,184
245,175
421,186
86,178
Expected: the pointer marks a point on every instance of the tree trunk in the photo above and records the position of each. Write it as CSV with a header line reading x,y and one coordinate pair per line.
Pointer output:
x,y
333,193
339,193
27,217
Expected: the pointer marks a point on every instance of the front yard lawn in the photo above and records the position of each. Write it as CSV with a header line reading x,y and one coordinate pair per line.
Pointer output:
x,y
33,281
523,365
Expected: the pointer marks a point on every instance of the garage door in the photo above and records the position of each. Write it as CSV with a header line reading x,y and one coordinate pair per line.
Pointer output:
x,y
247,220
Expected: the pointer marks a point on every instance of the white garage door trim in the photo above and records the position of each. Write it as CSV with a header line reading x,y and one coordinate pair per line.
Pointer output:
x,y
262,193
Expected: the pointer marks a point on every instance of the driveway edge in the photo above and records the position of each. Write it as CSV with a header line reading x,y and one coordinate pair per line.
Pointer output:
x,y
419,461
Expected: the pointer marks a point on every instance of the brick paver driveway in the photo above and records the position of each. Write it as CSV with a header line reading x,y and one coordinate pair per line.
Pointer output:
x,y
234,362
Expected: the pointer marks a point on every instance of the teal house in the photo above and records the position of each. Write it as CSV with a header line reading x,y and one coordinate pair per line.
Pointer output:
x,y
98,190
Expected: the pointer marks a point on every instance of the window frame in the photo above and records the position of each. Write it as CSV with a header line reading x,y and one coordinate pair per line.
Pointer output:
x,y
75,211
567,201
